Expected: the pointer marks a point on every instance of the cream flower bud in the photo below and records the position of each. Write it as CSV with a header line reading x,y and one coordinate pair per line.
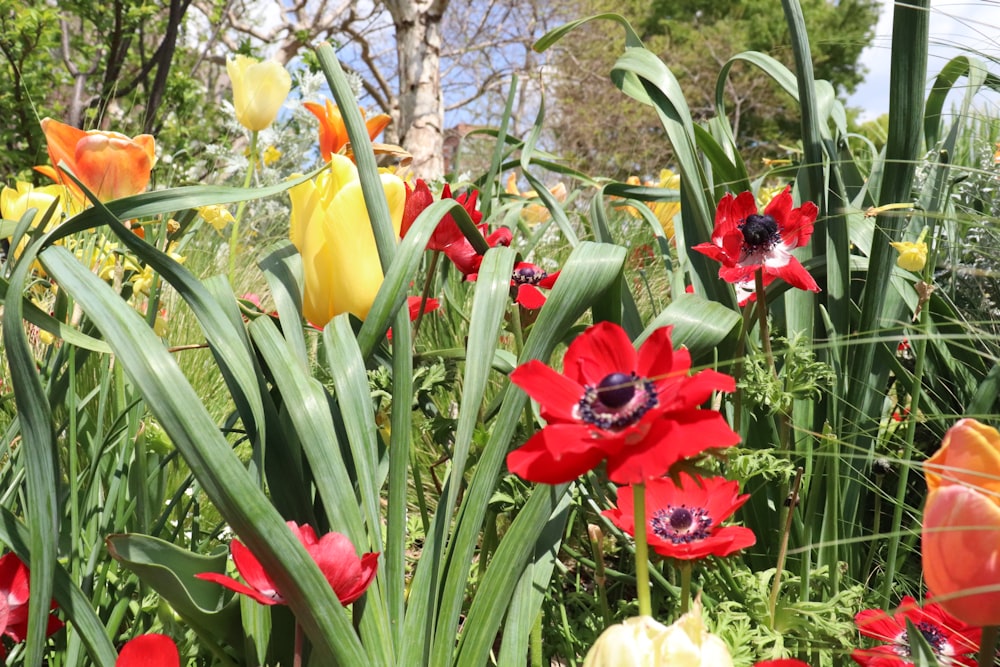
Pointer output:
x,y
643,642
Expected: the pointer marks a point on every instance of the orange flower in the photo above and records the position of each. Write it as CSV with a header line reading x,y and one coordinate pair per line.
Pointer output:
x,y
109,164
961,532
333,133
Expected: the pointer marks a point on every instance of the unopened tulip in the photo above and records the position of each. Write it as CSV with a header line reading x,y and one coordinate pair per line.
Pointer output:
x,y
259,90
109,164
961,530
643,642
331,229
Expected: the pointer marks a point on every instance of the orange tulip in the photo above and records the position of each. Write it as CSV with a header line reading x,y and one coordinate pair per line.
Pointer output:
x,y
961,531
333,133
109,164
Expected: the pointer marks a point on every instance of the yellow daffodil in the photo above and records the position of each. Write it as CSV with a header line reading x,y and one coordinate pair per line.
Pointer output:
x,y
259,90
534,214
644,642
331,229
912,255
270,155
216,215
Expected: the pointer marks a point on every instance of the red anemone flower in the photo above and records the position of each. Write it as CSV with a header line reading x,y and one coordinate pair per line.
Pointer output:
x,y
637,409
683,520
14,596
524,283
745,240
149,651
464,256
348,575
413,305
951,639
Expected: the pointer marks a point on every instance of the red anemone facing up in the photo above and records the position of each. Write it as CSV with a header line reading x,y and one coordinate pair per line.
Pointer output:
x,y
683,521
745,241
639,410
951,640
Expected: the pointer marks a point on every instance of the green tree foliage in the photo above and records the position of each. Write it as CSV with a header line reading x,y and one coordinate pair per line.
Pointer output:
x,y
603,131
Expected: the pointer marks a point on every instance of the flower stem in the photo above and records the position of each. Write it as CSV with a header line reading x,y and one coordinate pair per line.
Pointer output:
x,y
988,646
685,567
641,549
772,603
765,335
234,236
297,658
537,657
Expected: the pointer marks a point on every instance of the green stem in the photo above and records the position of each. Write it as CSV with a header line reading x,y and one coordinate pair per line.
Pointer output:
x,y
600,577
772,603
988,646
537,658
234,237
297,658
685,567
641,549
765,335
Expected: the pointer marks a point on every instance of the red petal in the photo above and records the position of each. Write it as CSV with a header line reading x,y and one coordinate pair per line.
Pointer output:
x,y
530,297
558,453
252,571
149,651
13,580
556,393
417,199
794,274
234,585
599,351
656,356
337,559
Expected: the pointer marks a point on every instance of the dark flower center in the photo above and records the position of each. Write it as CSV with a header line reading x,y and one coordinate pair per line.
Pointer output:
x,y
932,633
618,401
760,232
681,524
616,390
528,275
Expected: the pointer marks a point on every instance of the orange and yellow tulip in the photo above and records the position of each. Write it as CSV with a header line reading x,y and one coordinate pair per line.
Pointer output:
x,y
961,531
331,229
332,131
259,90
109,164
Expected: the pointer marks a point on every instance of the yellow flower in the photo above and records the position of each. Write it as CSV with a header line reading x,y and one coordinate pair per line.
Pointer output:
x,y
216,215
331,229
15,202
534,214
270,156
912,256
665,211
259,90
643,642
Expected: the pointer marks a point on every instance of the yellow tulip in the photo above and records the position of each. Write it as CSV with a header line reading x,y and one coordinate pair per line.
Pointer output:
x,y
643,642
15,202
259,90
665,211
331,229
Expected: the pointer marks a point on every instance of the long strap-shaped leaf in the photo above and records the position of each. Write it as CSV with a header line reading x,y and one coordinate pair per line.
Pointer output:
x,y
226,481
587,275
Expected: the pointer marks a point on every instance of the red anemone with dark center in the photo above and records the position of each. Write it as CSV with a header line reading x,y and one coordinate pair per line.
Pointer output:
x,y
525,280
745,240
683,520
639,410
14,594
951,640
348,575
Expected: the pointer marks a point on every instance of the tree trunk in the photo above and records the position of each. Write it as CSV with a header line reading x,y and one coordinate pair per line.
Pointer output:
x,y
419,118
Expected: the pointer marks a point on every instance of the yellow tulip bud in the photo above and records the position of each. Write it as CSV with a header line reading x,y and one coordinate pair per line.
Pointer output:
x,y
259,90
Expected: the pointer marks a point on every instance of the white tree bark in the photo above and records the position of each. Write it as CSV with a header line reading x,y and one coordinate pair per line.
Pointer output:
x,y
419,107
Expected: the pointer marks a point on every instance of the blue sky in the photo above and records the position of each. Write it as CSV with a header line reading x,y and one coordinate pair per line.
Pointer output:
x,y
956,26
